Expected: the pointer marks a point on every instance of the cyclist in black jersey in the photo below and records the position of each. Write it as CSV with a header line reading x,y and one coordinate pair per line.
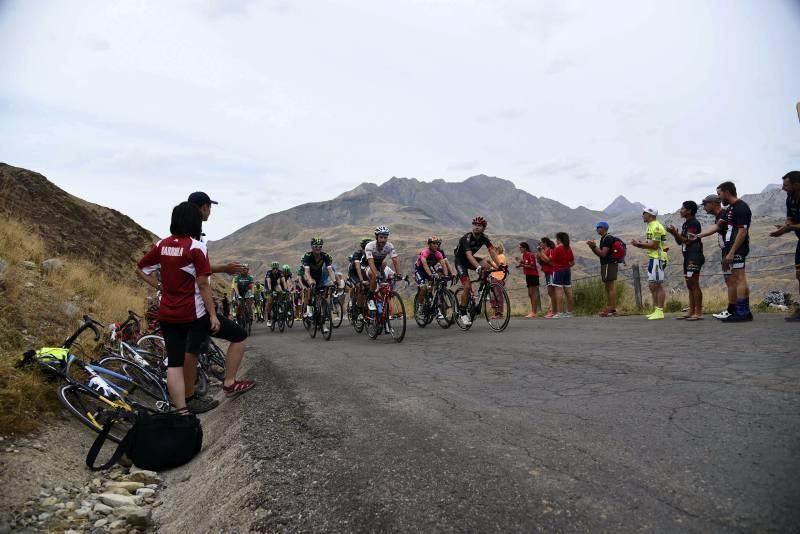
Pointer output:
x,y
317,269
357,272
273,280
791,184
465,260
693,258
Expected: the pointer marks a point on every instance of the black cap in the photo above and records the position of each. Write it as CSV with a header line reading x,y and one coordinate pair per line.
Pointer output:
x,y
201,199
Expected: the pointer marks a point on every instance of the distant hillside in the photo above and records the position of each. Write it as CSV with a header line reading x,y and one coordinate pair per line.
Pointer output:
x,y
72,226
623,206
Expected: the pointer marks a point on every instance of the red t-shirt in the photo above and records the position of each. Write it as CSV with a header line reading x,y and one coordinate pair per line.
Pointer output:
x,y
529,264
181,260
562,258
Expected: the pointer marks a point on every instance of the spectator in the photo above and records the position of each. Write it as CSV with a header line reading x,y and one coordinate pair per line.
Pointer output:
x,y
734,227
528,265
657,260
693,258
235,352
563,259
608,267
186,310
543,252
713,206
791,184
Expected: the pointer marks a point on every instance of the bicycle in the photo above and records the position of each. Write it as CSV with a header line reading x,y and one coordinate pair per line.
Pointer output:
x,y
112,389
439,303
321,313
389,315
259,307
490,293
279,315
356,313
337,309
244,317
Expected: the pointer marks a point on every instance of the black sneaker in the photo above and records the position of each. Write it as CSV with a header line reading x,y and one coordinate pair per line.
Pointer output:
x,y
735,318
749,316
201,404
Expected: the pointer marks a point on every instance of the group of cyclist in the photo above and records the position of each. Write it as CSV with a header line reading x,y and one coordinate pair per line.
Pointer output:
x,y
376,259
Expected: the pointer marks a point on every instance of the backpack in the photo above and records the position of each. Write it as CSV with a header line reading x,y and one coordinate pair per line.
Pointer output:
x,y
618,249
157,441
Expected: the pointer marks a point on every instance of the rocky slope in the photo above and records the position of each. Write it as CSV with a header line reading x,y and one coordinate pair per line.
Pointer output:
x,y
70,225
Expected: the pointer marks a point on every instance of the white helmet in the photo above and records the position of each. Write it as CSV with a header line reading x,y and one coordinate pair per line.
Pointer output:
x,y
381,230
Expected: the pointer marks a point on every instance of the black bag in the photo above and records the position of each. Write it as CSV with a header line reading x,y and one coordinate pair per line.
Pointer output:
x,y
157,441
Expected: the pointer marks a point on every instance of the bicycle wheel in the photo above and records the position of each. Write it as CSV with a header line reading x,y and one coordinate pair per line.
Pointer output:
x,y
396,317
153,349
290,315
93,412
420,316
337,313
134,383
326,320
280,315
498,311
372,323
445,308
314,321
355,311
459,322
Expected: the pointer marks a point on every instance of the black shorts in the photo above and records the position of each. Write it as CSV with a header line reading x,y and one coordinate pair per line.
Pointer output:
x,y
739,259
797,257
182,338
532,280
609,271
692,265
463,267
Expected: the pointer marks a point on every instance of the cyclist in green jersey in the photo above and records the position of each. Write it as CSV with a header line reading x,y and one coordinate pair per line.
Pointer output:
x,y
274,282
242,287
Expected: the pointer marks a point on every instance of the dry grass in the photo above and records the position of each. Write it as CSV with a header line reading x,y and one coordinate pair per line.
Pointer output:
x,y
42,310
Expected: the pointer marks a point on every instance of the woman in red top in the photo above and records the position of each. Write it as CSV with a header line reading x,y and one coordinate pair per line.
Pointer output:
x,y
563,259
544,250
528,265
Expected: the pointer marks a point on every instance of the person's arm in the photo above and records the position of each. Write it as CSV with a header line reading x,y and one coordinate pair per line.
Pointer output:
x,y
331,274
711,230
371,263
359,271
227,268
674,232
307,274
396,263
208,300
151,279
493,254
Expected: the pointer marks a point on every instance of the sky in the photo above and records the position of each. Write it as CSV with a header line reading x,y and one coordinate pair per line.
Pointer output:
x,y
269,104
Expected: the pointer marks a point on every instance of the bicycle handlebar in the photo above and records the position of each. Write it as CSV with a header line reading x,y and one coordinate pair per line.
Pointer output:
x,y
88,323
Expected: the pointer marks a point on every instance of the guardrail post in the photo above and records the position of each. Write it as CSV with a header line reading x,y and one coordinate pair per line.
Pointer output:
x,y
637,285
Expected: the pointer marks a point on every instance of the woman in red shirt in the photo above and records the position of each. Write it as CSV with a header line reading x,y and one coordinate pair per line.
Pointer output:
x,y
544,250
528,265
563,259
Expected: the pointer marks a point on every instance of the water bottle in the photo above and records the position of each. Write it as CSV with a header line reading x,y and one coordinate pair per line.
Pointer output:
x,y
380,307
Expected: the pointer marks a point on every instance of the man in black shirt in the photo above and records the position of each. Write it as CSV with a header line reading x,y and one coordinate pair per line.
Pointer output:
x,y
693,258
791,184
734,252
608,267
466,261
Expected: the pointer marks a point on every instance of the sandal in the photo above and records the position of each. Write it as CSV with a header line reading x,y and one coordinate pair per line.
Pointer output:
x,y
683,317
238,387
694,318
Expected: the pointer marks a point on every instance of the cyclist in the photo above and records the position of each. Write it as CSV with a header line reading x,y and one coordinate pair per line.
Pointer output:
x,y
274,282
357,272
376,253
298,292
317,270
259,296
430,259
466,261
242,287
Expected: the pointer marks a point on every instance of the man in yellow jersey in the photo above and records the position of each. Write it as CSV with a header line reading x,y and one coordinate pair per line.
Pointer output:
x,y
657,260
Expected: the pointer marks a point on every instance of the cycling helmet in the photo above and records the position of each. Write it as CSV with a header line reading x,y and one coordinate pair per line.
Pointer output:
x,y
245,267
275,265
434,240
286,269
381,230
316,241
479,220
364,241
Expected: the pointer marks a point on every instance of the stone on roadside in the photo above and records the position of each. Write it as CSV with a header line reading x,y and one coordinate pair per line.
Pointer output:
x,y
134,515
128,485
144,476
102,508
29,264
145,492
49,501
116,500
117,524
100,523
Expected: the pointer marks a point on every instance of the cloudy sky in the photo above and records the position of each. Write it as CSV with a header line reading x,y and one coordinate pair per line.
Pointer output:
x,y
268,104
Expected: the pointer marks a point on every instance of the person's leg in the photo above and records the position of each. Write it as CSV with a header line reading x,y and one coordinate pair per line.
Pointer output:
x,y
175,344
189,373
532,298
653,287
558,294
611,295
570,298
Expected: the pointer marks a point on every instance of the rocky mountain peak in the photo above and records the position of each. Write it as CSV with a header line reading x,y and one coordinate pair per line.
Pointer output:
x,y
623,206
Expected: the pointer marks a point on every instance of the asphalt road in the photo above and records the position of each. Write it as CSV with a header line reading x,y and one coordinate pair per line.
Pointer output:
x,y
582,424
